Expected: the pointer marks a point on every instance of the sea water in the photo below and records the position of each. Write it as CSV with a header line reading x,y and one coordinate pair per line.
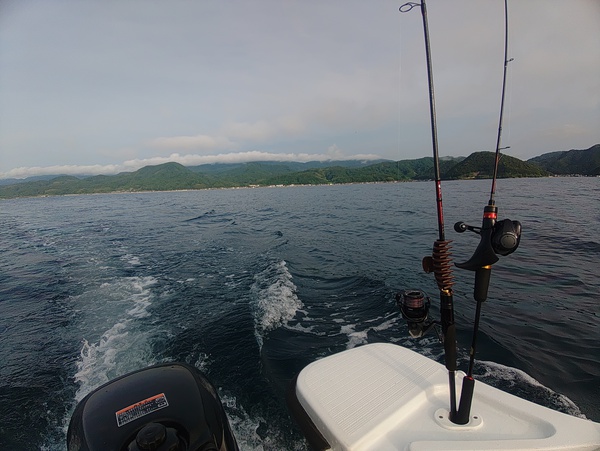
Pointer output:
x,y
251,285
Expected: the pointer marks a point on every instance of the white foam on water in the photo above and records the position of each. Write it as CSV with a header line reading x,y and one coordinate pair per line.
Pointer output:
x,y
389,324
305,329
516,377
274,299
355,338
361,337
131,259
202,362
122,347
245,428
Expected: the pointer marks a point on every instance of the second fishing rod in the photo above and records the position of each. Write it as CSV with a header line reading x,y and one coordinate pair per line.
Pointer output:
x,y
496,237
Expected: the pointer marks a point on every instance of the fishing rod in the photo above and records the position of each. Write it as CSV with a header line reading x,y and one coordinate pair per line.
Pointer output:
x,y
440,261
502,97
497,237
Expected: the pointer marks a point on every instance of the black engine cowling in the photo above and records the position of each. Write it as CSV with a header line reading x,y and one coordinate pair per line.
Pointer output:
x,y
168,407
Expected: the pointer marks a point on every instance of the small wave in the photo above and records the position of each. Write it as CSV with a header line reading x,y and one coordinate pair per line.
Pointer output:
x,y
275,300
514,380
205,214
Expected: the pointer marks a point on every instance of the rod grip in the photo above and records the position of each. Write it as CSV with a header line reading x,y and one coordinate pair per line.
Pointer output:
x,y
448,330
450,348
482,283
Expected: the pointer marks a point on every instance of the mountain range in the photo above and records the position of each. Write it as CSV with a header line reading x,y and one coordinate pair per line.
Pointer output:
x,y
174,176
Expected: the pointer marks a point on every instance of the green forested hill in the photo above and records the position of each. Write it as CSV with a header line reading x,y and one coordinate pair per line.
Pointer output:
x,y
420,169
583,162
481,165
168,176
276,167
174,176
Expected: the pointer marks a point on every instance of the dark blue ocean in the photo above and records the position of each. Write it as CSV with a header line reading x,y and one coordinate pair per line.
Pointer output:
x,y
251,285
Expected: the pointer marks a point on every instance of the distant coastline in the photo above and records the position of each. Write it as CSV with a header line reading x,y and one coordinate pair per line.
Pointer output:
x,y
175,177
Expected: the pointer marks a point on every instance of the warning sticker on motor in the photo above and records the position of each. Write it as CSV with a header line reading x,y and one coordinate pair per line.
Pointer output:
x,y
140,409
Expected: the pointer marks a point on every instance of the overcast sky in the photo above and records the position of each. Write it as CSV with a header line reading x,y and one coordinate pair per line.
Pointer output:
x,y
106,86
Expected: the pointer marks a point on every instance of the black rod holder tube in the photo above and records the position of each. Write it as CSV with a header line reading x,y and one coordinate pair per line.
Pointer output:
x,y
466,398
449,333
468,385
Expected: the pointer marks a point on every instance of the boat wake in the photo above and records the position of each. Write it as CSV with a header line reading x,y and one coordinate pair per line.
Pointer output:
x,y
253,432
122,347
274,300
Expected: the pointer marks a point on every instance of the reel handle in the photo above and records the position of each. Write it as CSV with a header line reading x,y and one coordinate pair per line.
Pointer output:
x,y
502,238
484,255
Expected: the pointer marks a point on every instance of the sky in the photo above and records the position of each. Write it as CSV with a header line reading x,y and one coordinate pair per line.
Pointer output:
x,y
101,87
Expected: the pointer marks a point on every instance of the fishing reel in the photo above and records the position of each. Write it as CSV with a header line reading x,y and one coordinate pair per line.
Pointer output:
x,y
502,238
506,235
414,306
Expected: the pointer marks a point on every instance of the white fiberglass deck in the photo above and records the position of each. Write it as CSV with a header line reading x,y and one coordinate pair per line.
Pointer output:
x,y
385,397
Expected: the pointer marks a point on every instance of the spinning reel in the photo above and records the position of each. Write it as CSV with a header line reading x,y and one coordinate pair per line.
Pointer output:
x,y
414,306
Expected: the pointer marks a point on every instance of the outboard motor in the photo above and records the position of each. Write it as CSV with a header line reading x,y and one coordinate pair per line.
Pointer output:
x,y
167,407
